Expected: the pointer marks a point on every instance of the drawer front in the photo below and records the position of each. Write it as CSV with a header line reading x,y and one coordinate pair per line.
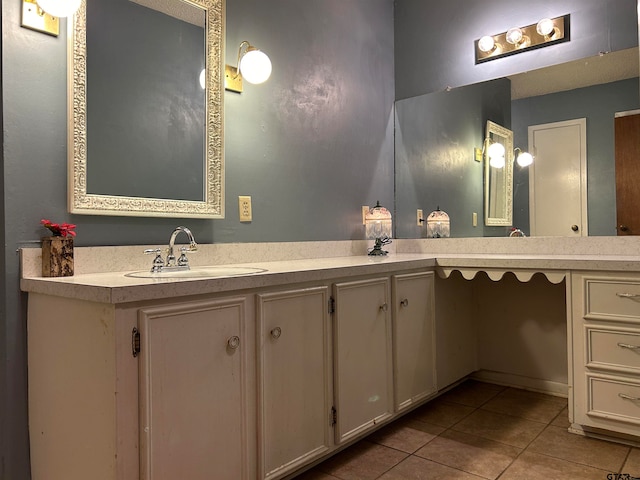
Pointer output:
x,y
612,300
613,349
613,399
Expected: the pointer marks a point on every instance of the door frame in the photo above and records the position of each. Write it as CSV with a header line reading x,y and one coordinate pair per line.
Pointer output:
x,y
582,124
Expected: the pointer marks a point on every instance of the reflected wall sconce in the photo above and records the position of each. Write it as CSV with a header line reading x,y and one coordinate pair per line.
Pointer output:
x,y
495,153
44,15
253,65
524,159
378,227
547,31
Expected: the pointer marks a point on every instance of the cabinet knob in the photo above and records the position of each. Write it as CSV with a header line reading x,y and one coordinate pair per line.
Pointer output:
x,y
233,342
575,228
276,332
384,307
405,302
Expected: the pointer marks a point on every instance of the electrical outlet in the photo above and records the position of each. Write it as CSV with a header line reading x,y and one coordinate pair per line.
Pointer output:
x,y
475,219
419,217
244,202
365,210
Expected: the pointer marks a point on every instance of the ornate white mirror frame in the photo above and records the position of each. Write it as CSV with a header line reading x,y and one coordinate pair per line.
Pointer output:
x,y
498,182
82,202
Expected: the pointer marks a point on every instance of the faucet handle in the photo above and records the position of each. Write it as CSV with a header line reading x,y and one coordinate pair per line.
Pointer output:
x,y
183,261
158,262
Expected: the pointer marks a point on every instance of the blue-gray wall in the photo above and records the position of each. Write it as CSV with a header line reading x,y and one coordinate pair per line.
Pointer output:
x,y
434,40
598,104
310,146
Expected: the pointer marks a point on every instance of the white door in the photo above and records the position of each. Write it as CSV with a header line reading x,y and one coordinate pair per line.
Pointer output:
x,y
558,179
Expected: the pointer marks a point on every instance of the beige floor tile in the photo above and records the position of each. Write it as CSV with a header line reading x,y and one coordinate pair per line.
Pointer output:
x,y
472,393
532,466
515,431
441,413
558,442
403,436
525,404
469,453
425,427
315,475
562,420
414,468
632,465
362,461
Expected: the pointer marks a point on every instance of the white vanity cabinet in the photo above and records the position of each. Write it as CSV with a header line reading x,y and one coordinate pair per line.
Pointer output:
x,y
414,346
363,356
294,379
192,390
606,351
176,404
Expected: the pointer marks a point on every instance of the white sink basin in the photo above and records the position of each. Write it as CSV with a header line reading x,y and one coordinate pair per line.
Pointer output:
x,y
199,272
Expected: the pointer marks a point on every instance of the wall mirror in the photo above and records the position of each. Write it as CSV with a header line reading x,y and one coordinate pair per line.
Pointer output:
x,y
145,108
498,175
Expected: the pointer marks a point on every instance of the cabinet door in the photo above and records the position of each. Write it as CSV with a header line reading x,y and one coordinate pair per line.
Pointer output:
x,y
363,362
192,391
413,338
294,379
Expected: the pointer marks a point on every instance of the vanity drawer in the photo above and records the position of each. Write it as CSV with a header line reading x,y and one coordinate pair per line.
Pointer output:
x,y
613,349
612,299
613,399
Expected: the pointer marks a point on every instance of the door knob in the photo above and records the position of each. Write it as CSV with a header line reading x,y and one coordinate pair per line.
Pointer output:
x,y
575,228
623,228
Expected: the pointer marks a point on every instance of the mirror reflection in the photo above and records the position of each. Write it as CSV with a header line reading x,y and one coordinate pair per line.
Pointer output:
x,y
498,175
147,126
437,133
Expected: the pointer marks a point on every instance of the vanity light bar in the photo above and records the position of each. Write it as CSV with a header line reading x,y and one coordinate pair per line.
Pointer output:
x,y
546,32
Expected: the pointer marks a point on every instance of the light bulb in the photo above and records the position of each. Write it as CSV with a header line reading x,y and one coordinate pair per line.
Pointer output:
x,y
497,162
486,44
203,78
255,66
545,27
60,8
524,159
496,150
514,36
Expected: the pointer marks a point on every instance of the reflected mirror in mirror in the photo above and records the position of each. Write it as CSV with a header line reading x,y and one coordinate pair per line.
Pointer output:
x,y
498,175
147,127
437,133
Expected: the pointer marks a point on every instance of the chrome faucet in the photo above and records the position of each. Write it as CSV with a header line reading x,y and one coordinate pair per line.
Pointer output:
x,y
182,260
182,263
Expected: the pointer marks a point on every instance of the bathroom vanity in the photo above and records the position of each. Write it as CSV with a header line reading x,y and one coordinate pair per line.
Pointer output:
x,y
260,375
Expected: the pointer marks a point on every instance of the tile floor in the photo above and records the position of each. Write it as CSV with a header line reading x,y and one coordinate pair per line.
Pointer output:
x,y
481,431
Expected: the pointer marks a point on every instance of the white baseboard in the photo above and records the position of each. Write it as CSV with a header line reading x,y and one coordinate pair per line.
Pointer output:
x,y
519,381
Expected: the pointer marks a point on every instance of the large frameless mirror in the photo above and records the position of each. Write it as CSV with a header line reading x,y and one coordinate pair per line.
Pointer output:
x,y
498,175
146,109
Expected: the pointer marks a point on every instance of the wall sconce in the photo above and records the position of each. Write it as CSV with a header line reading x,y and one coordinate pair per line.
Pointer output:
x,y
44,15
495,152
253,65
546,32
378,226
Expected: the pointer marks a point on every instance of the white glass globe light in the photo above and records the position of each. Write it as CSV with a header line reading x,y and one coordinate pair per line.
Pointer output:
x,y
497,162
496,150
203,78
524,159
255,66
60,8
486,44
545,27
514,36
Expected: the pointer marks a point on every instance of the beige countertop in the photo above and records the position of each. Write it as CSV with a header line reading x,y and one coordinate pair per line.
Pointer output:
x,y
116,287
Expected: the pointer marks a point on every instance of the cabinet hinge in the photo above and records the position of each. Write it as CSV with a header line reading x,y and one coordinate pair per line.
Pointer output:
x,y
334,416
332,305
135,341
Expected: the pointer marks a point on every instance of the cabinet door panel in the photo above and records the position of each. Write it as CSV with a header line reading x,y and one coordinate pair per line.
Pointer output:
x,y
294,379
413,338
192,389
363,362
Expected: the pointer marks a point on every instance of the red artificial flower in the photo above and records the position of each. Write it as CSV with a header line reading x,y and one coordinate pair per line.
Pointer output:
x,y
59,230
